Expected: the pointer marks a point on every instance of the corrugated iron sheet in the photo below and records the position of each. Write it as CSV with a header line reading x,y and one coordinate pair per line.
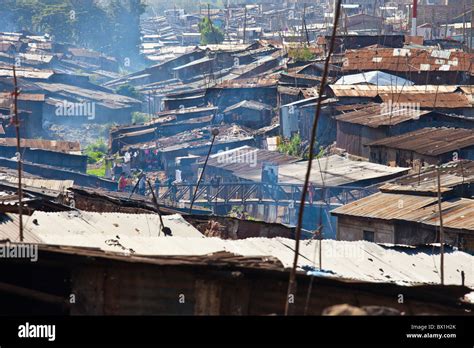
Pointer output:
x,y
334,170
405,60
358,260
458,213
101,230
372,91
376,115
452,174
430,141
52,145
428,100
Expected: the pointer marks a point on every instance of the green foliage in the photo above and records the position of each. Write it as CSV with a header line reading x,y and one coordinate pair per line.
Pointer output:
x,y
301,54
129,91
295,147
100,171
291,147
210,34
140,117
96,152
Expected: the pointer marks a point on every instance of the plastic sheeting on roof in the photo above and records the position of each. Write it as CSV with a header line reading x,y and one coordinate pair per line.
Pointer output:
x,y
374,78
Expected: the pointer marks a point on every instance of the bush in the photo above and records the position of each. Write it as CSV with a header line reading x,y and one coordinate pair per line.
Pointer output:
x,y
301,54
96,152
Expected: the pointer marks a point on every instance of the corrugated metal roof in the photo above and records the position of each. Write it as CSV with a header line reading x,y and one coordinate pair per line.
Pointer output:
x,y
452,174
358,260
24,97
430,141
376,115
385,206
52,185
105,98
81,228
239,161
378,78
371,91
458,213
27,73
249,104
335,170
249,83
51,145
428,100
405,60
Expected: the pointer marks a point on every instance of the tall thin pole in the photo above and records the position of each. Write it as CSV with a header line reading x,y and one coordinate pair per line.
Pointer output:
x,y
18,149
215,132
441,231
314,131
472,26
302,24
414,17
245,22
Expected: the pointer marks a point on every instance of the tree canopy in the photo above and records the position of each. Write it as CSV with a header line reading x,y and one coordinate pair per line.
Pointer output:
x,y
210,34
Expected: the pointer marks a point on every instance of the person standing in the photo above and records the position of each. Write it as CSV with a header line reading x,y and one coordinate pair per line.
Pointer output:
x,y
122,182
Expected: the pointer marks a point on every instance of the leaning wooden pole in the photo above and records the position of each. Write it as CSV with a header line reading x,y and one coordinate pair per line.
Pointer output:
x,y
314,131
18,149
441,230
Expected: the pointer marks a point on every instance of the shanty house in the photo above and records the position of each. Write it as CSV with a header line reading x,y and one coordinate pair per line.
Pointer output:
x,y
406,219
424,146
369,123
62,154
249,113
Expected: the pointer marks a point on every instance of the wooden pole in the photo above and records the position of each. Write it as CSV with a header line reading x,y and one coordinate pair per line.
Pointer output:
x,y
245,23
472,26
441,231
18,149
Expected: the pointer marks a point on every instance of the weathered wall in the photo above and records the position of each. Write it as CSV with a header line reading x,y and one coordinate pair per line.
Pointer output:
x,y
353,229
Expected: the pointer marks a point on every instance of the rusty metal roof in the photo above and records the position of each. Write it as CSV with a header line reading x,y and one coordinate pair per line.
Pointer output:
x,y
254,82
51,145
458,213
407,59
27,73
371,91
428,100
24,97
430,141
452,174
376,115
345,260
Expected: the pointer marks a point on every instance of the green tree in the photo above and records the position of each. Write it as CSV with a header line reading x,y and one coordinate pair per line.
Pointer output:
x,y
210,34
301,54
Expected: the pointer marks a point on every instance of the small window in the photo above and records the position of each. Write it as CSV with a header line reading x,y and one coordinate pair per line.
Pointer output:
x,y
369,236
